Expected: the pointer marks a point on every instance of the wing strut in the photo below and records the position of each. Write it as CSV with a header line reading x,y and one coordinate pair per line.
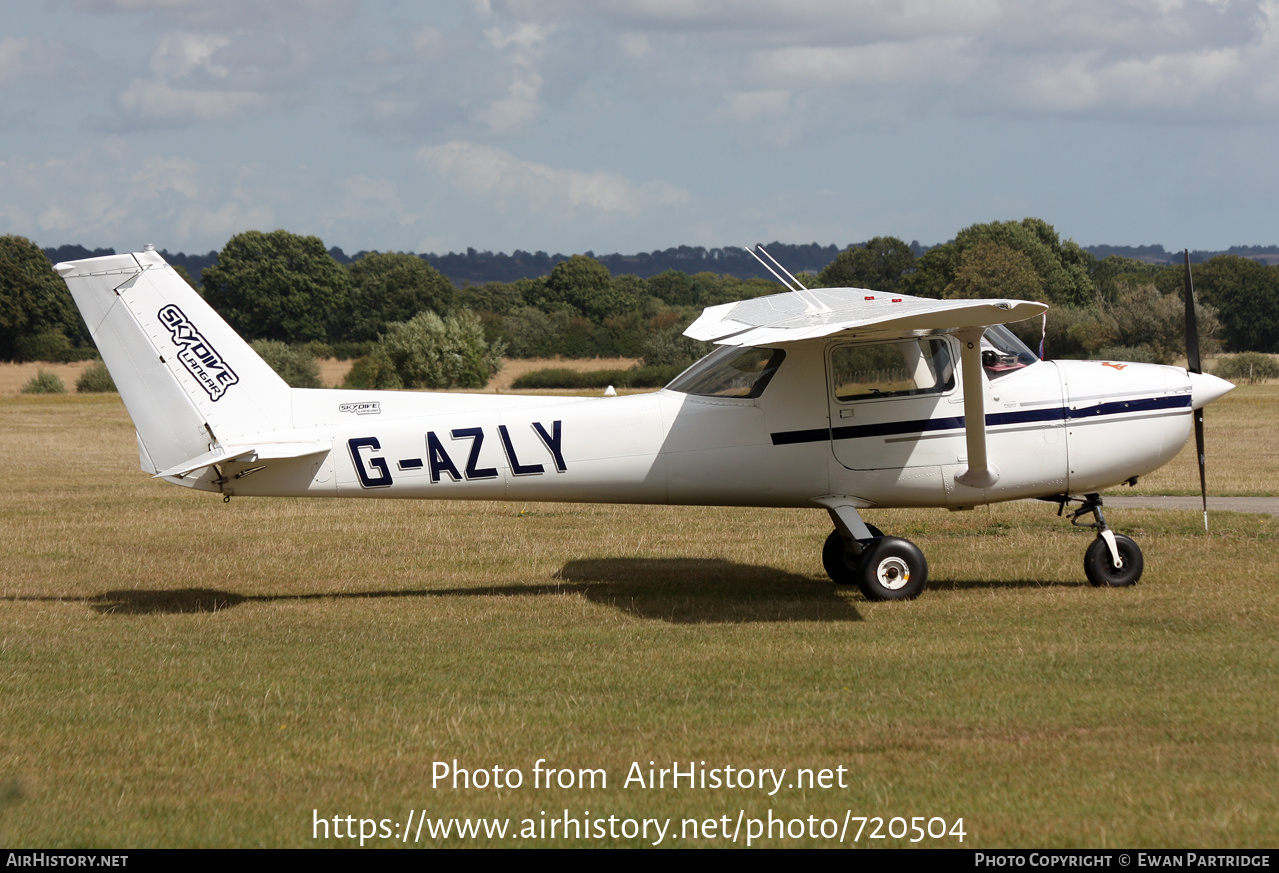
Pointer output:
x,y
979,473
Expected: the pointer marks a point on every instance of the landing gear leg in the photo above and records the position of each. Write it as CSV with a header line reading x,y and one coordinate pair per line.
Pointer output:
x,y
1112,559
884,568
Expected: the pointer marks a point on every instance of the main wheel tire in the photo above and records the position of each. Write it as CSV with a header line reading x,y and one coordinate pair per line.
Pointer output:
x,y
840,563
892,568
1100,570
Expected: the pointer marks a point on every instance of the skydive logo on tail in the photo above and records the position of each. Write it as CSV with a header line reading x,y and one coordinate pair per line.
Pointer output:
x,y
196,354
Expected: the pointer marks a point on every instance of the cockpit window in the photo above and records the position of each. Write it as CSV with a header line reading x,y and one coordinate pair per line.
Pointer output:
x,y
1002,353
730,371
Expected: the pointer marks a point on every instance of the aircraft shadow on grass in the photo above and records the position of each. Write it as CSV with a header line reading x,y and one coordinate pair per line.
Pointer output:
x,y
1002,584
676,590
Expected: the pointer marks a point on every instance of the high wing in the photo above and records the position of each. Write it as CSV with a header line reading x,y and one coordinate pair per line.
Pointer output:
x,y
807,314
821,312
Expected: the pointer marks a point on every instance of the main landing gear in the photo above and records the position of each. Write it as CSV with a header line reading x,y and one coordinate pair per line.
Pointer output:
x,y
884,568
891,568
1112,559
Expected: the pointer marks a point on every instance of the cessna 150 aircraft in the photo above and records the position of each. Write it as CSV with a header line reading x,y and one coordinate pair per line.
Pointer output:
x,y
839,398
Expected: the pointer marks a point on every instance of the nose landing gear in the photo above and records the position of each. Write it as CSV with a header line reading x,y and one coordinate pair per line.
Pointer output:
x,y
1113,559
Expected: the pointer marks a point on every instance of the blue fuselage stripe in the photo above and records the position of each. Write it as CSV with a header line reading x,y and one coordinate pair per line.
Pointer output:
x,y
994,419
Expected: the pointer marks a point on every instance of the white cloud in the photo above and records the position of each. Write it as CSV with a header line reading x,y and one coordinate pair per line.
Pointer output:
x,y
109,194
508,182
160,104
871,96
523,46
1071,57
298,16
526,36
750,106
367,200
181,54
14,57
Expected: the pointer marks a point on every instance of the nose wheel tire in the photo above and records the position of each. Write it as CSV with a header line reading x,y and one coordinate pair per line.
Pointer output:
x,y
1100,569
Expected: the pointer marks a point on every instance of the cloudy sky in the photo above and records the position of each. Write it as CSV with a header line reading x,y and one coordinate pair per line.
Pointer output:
x,y
630,125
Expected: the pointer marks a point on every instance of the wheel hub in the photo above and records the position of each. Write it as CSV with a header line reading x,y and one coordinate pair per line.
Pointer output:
x,y
893,573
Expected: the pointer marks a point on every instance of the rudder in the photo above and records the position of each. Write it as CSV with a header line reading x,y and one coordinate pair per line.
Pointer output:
x,y
189,382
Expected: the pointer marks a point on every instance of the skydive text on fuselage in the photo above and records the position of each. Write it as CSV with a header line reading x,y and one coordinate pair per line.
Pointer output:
x,y
376,471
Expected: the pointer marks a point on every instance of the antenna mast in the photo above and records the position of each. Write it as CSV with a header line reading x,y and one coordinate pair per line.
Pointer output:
x,y
814,305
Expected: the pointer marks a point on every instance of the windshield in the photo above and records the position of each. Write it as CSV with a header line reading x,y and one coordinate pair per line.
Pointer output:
x,y
1002,353
730,371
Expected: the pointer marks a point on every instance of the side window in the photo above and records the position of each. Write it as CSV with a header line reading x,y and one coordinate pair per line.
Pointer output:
x,y
730,371
901,368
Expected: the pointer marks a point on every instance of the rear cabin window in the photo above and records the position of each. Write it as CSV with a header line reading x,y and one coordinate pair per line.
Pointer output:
x,y
730,371
896,369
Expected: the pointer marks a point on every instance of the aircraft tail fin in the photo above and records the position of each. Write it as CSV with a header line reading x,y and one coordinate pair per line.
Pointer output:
x,y
189,382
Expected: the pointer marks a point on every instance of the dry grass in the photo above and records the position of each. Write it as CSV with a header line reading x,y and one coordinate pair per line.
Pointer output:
x,y
180,672
14,376
332,371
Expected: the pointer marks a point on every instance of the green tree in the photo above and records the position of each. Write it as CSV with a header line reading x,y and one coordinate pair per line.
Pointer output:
x,y
532,333
1250,367
727,289
294,365
1110,273
390,287
670,348
879,265
44,382
1062,266
431,352
34,301
499,298
277,285
374,371
95,379
583,286
992,270
1155,324
677,289
1246,297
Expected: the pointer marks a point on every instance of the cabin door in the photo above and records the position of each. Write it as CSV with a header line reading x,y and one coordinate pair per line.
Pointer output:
x,y
893,404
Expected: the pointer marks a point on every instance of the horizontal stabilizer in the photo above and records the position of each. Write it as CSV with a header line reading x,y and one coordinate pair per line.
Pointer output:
x,y
820,312
245,454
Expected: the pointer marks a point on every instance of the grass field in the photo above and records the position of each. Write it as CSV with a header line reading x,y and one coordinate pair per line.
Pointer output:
x,y
332,371
179,672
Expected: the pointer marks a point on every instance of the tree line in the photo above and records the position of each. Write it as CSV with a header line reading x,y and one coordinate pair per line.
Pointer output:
x,y
410,325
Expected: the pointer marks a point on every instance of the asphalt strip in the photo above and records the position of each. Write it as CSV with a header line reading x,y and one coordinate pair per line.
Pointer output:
x,y
1263,505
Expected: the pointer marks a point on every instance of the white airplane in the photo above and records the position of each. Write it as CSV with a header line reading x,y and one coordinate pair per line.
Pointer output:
x,y
839,398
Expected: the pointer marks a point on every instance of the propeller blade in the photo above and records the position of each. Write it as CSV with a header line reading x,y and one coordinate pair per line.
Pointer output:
x,y
1194,365
1199,448
1192,324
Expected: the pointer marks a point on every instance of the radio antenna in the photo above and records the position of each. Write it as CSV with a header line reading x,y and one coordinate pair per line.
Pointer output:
x,y
765,265
783,269
814,305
